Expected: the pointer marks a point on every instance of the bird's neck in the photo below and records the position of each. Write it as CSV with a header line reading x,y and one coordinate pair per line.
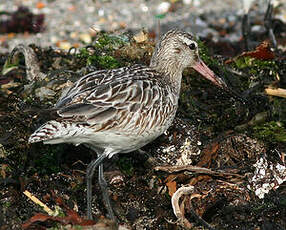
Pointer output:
x,y
170,70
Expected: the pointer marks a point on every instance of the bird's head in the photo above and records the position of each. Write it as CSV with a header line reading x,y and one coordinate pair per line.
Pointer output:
x,y
178,50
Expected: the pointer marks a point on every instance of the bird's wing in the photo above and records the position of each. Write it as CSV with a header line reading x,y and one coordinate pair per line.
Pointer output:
x,y
112,102
88,82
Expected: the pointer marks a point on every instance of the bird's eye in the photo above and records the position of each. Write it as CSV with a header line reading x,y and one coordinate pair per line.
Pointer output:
x,y
192,46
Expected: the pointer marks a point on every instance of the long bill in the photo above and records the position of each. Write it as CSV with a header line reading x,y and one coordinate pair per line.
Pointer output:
x,y
207,73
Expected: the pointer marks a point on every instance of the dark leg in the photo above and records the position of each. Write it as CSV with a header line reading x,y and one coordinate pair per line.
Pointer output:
x,y
104,190
89,175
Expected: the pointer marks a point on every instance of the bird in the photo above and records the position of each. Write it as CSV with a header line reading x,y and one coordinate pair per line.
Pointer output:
x,y
121,110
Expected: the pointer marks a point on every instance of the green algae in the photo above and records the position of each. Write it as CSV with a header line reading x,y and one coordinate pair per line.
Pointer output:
x,y
103,60
265,72
255,65
272,131
8,67
205,55
101,53
110,42
257,70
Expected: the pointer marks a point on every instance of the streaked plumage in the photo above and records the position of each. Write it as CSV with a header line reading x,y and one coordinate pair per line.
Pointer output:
x,y
121,110
126,105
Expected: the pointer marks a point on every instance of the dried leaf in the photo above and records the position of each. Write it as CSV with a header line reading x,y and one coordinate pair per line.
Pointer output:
x,y
141,37
40,5
262,52
172,187
199,178
209,153
71,219
38,217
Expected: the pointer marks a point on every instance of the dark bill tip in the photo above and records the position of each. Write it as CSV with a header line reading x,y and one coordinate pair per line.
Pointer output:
x,y
207,73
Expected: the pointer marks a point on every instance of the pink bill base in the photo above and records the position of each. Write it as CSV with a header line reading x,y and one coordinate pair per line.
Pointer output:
x,y
207,73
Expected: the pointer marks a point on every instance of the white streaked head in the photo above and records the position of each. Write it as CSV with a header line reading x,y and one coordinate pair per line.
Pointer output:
x,y
178,50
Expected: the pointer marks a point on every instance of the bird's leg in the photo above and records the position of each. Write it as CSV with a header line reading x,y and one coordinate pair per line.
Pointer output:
x,y
269,25
89,175
103,185
245,30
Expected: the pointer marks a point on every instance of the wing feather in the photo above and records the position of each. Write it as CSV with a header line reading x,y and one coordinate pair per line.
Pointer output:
x,y
113,99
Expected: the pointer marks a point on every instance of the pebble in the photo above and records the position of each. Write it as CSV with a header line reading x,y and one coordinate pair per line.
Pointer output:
x,y
141,37
257,28
68,22
144,8
200,22
163,7
85,37
188,2
64,45
44,93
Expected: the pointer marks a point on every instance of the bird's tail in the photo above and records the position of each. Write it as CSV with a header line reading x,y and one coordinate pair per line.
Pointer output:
x,y
48,132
